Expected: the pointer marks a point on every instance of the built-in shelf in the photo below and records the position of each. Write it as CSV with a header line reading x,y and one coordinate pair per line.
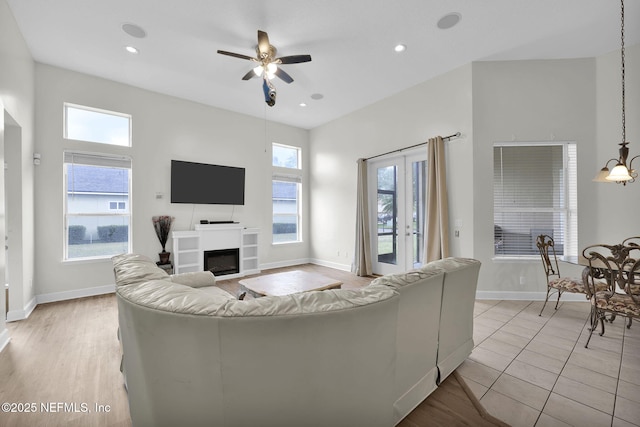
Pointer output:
x,y
249,251
189,247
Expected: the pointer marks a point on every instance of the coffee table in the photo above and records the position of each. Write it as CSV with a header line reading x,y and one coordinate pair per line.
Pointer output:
x,y
287,283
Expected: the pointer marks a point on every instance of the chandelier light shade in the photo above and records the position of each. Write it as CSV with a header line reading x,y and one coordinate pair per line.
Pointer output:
x,y
621,173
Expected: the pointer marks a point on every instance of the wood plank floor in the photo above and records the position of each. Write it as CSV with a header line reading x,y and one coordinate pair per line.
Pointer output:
x,y
65,359
65,353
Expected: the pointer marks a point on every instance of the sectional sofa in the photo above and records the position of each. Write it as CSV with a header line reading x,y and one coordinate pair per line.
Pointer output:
x,y
195,355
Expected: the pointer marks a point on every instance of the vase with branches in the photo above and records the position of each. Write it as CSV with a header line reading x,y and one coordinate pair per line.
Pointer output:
x,y
162,225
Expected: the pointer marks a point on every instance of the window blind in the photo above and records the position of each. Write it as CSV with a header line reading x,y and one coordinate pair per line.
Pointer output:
x,y
287,178
534,193
92,159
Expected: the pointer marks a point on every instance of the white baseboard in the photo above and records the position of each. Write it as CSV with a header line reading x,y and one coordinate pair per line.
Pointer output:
x,y
527,296
14,315
288,263
78,293
4,338
337,266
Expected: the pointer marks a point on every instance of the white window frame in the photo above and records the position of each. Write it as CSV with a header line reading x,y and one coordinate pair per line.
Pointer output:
x,y
569,190
292,175
65,126
95,159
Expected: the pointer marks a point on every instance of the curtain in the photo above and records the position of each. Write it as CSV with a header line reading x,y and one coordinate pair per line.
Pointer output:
x,y
362,253
436,240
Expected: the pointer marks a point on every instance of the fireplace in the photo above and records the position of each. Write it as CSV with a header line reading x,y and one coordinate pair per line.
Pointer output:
x,y
222,261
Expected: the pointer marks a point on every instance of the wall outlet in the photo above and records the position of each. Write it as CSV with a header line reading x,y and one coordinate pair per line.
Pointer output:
x,y
523,280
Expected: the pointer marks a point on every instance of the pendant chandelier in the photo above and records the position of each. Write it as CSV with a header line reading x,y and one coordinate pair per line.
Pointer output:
x,y
621,173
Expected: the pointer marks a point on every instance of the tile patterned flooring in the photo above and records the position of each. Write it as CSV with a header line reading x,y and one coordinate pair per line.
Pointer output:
x,y
534,371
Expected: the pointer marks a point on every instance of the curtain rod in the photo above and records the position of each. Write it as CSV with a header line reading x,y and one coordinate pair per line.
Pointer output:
x,y
444,138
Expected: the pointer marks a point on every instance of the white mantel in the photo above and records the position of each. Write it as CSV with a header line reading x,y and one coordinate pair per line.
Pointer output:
x,y
189,247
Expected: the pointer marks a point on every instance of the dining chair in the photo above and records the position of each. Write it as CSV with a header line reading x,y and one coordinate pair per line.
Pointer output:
x,y
619,266
555,281
631,241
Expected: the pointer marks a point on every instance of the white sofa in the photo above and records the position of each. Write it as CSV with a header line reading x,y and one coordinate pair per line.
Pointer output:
x,y
195,355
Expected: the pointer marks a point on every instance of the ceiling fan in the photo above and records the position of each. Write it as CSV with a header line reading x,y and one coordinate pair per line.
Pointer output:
x,y
268,65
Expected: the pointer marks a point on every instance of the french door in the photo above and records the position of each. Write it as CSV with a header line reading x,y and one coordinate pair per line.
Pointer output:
x,y
397,197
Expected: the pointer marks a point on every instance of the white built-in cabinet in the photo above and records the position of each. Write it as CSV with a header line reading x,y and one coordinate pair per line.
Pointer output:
x,y
189,247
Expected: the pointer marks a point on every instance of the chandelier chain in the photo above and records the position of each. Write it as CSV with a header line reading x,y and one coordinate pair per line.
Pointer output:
x,y
624,133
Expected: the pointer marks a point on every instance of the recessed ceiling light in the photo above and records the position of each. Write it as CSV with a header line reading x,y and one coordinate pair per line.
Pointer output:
x,y
449,20
317,96
134,30
400,48
131,49
302,104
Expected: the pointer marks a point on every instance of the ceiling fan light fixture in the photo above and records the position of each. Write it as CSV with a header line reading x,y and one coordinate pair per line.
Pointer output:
x,y
258,70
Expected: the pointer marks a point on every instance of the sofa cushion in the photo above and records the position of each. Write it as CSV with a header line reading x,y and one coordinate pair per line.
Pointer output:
x,y
397,281
195,279
135,268
215,291
167,296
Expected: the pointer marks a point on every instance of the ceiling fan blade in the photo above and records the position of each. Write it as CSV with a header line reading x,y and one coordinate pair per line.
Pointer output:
x,y
263,43
283,75
293,59
251,74
236,55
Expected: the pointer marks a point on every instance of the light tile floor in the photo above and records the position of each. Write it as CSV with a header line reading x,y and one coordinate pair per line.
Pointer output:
x,y
531,370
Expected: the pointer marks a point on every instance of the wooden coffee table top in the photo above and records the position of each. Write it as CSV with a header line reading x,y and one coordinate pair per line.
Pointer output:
x,y
288,282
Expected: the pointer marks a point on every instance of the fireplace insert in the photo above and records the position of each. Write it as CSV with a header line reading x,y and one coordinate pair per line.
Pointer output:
x,y
222,261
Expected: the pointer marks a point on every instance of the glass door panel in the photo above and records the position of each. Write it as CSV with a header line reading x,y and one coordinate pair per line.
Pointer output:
x,y
387,212
397,197
418,216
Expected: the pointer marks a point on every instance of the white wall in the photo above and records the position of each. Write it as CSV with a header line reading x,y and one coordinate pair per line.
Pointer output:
x,y
530,101
562,100
441,106
164,128
16,109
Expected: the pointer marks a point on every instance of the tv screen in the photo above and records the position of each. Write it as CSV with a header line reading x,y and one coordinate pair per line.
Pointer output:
x,y
201,183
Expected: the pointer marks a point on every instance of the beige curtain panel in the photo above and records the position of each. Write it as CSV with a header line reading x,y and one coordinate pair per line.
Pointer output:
x,y
362,260
436,240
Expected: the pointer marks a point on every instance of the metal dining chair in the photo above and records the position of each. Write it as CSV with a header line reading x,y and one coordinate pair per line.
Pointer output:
x,y
555,281
631,241
619,266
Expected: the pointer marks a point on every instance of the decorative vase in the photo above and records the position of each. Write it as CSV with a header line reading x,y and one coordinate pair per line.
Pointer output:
x,y
164,257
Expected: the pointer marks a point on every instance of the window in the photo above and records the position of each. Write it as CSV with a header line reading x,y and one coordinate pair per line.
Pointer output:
x,y
97,197
285,195
94,125
534,192
117,206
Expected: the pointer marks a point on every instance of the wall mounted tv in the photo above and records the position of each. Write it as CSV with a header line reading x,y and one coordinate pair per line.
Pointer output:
x,y
201,183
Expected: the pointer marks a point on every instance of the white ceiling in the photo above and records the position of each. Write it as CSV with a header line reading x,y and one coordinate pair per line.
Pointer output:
x,y
350,41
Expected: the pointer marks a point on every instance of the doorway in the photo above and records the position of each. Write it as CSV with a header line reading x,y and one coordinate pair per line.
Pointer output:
x,y
397,200
12,262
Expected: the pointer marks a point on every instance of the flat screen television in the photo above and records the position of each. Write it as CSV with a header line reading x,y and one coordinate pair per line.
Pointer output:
x,y
201,183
